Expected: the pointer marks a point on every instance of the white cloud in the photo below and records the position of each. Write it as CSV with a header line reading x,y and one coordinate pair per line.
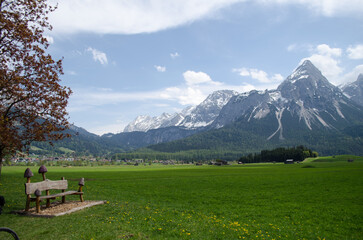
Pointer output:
x,y
300,47
160,68
174,55
98,56
197,86
49,39
327,60
351,76
109,128
326,50
130,17
328,66
258,75
185,96
140,16
195,78
291,47
325,7
244,72
355,52
71,72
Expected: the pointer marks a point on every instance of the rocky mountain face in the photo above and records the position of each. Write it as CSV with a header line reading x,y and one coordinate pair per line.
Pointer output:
x,y
354,90
191,117
306,97
145,123
305,109
206,112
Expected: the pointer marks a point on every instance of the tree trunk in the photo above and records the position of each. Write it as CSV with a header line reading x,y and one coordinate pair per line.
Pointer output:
x,y
1,160
1,163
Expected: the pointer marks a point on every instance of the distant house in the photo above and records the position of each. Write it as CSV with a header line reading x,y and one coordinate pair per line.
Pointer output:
x,y
221,163
289,161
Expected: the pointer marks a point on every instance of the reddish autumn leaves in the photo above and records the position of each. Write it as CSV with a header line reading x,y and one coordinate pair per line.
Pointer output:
x,y
32,102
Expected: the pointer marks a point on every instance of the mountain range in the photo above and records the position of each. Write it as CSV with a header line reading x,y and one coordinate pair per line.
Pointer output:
x,y
305,109
191,117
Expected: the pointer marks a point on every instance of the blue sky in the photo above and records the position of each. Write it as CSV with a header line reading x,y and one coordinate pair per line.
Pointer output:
x,y
128,58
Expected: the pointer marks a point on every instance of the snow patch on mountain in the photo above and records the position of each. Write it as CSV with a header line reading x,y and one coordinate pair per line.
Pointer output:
x,y
278,115
304,114
336,105
261,113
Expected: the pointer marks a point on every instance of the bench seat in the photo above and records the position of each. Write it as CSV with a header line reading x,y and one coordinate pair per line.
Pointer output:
x,y
53,196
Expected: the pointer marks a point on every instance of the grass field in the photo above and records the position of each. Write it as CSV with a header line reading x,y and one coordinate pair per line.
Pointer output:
x,y
339,158
314,200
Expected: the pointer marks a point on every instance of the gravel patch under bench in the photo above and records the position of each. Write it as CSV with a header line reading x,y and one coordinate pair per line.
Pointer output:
x,y
58,208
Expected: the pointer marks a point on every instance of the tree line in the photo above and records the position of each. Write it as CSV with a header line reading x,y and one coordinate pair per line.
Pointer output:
x,y
298,153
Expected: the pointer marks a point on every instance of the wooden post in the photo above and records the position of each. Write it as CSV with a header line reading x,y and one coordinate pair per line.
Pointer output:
x,y
28,174
63,197
38,193
27,205
81,184
48,200
46,192
81,196
38,204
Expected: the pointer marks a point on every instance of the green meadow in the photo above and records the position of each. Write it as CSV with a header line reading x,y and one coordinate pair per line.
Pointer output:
x,y
313,200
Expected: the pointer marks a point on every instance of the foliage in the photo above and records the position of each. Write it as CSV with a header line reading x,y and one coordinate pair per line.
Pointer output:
x,y
279,155
184,156
32,102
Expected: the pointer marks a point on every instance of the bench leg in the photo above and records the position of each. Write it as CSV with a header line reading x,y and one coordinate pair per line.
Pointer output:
x,y
64,197
81,197
27,205
48,200
38,204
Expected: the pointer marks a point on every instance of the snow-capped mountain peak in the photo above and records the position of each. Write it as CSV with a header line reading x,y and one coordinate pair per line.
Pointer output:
x,y
144,123
190,117
305,95
354,90
307,82
206,112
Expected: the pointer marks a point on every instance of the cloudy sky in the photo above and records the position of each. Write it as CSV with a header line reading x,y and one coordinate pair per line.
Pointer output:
x,y
144,57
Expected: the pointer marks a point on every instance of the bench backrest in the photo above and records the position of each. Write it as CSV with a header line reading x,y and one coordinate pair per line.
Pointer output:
x,y
47,184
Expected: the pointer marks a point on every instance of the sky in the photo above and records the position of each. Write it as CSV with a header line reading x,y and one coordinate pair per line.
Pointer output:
x,y
126,58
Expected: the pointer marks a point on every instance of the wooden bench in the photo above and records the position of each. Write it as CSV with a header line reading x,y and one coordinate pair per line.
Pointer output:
x,y
46,185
